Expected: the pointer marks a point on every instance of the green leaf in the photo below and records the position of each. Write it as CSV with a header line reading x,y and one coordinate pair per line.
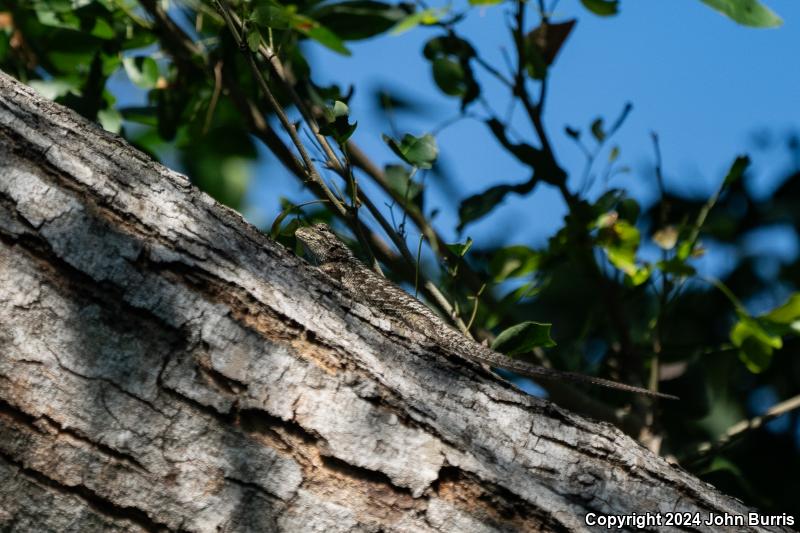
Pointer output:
x,y
623,258
110,119
54,15
460,249
629,210
340,109
426,17
746,12
597,130
272,16
485,2
787,314
58,6
253,39
604,8
523,337
685,249
481,204
639,275
56,87
102,29
142,71
513,262
449,76
620,240
399,180
448,45
141,115
287,210
755,343
450,61
758,337
420,152
676,267
609,201
737,170
359,19
338,125
327,38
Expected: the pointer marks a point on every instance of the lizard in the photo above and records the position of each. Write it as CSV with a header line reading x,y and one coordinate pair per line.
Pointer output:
x,y
334,258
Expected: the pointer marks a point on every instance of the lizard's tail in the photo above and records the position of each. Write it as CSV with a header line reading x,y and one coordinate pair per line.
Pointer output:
x,y
534,371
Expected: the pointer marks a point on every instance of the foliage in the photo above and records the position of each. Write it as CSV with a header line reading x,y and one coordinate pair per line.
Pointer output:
x,y
611,309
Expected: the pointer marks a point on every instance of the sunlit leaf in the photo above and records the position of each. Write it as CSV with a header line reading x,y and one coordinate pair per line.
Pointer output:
x,y
110,119
787,314
755,343
53,88
746,12
620,240
460,249
666,238
253,39
271,15
102,29
420,152
513,262
399,180
142,71
327,38
425,17
523,337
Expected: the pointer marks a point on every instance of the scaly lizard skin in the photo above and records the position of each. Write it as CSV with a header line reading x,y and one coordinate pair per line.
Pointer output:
x,y
334,258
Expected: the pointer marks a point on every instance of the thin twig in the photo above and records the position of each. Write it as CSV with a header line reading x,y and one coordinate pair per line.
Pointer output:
x,y
739,429
476,299
448,308
214,96
493,71
272,59
534,111
287,125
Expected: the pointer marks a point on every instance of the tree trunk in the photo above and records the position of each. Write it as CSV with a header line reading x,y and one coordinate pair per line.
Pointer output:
x,y
165,366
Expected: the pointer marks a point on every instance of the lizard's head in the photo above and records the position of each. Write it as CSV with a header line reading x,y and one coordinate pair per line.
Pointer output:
x,y
322,244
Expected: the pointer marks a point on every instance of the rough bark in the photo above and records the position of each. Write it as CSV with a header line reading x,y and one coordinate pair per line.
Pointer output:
x,y
165,366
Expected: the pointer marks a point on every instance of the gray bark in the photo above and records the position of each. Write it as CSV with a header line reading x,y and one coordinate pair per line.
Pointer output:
x,y
165,366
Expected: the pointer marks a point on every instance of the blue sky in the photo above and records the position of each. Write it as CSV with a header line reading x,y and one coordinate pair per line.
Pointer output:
x,y
705,84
